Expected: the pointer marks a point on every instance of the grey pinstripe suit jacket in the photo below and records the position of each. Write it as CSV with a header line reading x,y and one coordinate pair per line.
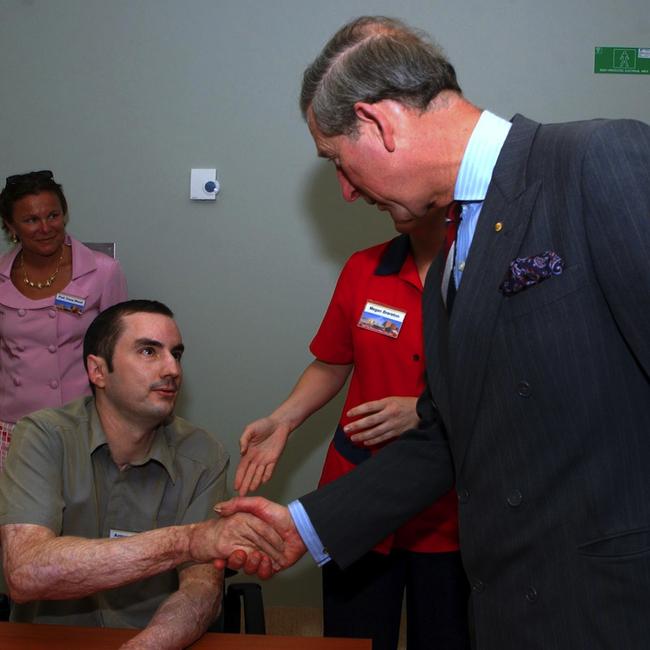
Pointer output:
x,y
538,404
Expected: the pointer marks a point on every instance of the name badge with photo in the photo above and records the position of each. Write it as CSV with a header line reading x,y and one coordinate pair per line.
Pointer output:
x,y
382,319
68,302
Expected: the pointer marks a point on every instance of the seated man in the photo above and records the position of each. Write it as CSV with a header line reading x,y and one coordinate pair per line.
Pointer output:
x,y
100,499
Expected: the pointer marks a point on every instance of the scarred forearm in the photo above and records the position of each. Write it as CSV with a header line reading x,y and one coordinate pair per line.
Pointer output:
x,y
185,616
40,566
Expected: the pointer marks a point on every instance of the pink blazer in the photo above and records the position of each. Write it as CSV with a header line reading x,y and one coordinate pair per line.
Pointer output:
x,y
41,347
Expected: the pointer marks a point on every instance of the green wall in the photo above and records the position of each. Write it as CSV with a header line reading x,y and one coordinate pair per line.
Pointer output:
x,y
121,98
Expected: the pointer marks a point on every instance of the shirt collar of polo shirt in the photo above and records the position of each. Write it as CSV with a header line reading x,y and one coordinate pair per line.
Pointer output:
x,y
160,451
393,258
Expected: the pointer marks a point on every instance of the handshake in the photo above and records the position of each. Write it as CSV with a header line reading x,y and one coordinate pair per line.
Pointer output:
x,y
257,536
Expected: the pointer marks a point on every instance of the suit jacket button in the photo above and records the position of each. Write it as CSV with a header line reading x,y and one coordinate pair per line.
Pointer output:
x,y
523,389
515,498
531,594
463,495
478,586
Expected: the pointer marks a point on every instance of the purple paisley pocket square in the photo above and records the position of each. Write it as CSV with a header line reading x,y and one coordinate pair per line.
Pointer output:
x,y
525,272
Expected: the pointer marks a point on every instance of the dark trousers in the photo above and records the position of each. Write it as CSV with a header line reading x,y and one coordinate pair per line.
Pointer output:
x,y
365,600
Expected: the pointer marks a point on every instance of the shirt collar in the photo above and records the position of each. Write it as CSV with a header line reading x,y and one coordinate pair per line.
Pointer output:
x,y
393,258
160,450
480,157
83,259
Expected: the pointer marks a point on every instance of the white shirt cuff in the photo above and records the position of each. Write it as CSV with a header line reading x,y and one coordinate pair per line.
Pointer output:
x,y
308,533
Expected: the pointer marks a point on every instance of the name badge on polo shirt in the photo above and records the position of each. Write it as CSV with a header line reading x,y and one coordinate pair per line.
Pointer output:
x,y
115,534
382,319
68,302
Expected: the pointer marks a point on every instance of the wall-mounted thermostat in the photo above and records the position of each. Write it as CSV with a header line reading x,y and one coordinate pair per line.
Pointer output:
x,y
204,185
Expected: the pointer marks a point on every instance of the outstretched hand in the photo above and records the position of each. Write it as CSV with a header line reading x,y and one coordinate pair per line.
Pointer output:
x,y
381,420
280,520
260,446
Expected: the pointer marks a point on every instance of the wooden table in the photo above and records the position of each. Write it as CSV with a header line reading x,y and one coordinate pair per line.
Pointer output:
x,y
22,636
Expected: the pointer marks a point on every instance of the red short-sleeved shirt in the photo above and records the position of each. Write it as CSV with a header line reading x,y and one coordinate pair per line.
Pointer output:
x,y
374,321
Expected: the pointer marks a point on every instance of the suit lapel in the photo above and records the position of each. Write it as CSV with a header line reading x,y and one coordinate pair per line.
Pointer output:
x,y
509,202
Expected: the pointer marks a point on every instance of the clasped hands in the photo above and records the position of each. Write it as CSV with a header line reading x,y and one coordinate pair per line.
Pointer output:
x,y
280,545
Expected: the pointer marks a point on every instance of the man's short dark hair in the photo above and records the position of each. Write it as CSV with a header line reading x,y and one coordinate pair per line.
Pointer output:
x,y
102,335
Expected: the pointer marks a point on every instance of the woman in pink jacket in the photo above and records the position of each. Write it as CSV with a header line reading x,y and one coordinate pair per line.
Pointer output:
x,y
51,288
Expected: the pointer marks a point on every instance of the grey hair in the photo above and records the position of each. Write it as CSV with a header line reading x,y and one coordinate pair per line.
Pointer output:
x,y
369,59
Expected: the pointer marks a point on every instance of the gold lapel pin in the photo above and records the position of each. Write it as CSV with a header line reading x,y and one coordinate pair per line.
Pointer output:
x,y
498,226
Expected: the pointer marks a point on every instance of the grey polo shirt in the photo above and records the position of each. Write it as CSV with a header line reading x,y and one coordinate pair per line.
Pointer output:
x,y
59,474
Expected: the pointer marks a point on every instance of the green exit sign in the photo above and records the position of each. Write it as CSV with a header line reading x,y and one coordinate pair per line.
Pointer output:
x,y
622,60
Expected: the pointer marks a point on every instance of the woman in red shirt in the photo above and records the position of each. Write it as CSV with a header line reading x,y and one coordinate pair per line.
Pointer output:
x,y
373,329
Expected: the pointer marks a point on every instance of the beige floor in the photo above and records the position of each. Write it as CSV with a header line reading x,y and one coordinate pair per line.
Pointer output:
x,y
301,621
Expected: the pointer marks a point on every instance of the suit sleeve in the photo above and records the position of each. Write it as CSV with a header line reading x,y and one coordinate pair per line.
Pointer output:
x,y
616,192
358,510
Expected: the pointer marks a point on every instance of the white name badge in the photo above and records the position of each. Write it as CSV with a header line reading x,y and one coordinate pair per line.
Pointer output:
x,y
382,319
68,302
115,534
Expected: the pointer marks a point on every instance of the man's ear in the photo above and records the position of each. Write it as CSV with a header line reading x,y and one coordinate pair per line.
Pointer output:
x,y
97,370
377,117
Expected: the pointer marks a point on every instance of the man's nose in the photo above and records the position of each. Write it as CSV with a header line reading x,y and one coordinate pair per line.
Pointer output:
x,y
171,366
350,192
